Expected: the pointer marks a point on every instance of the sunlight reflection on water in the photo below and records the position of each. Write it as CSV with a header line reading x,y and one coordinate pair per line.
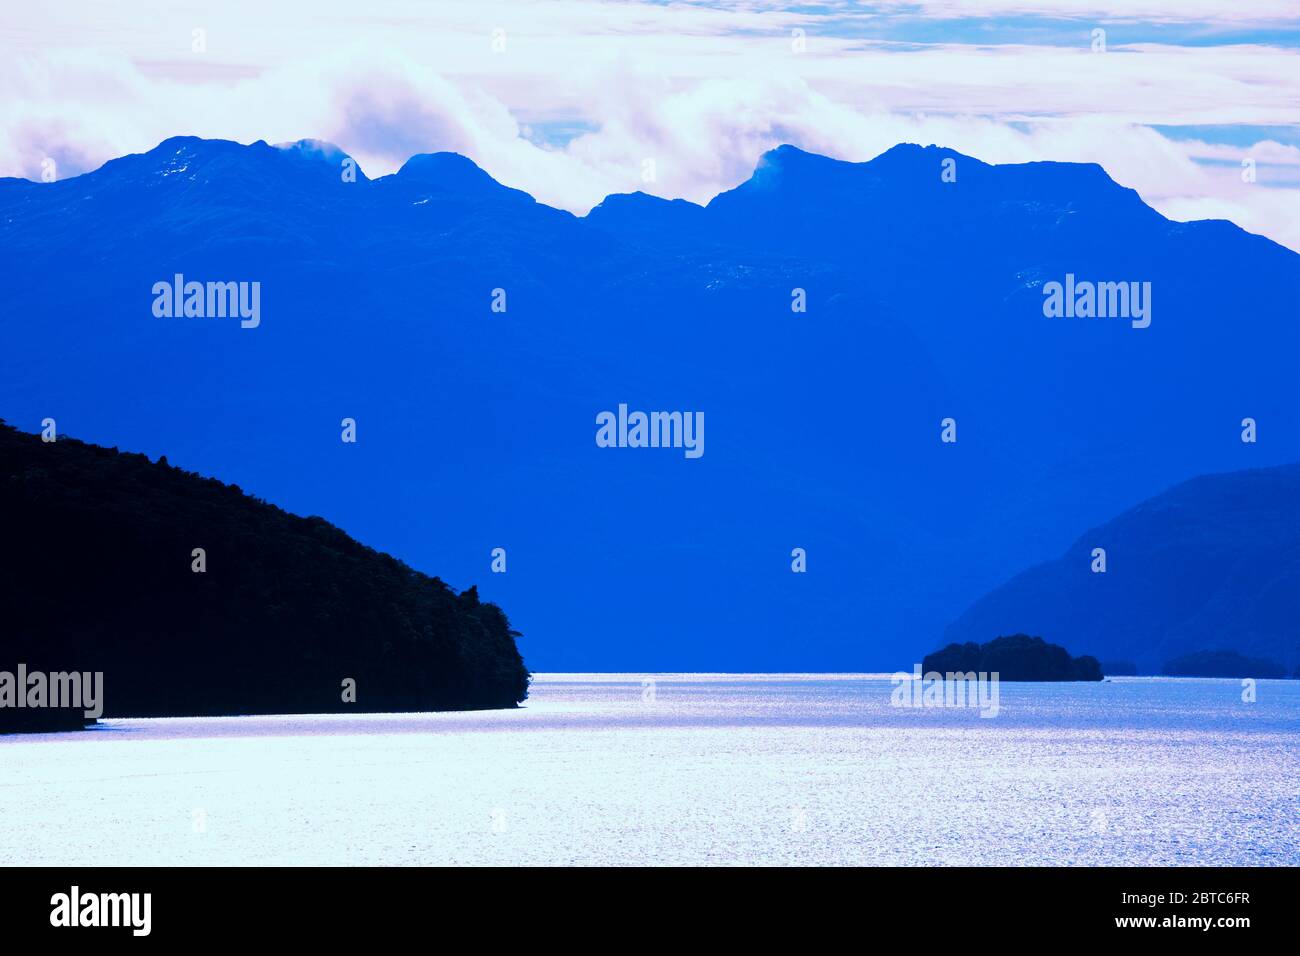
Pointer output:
x,y
648,769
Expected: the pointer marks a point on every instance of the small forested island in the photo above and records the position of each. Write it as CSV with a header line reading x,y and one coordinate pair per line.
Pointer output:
x,y
1222,664
1017,657
195,599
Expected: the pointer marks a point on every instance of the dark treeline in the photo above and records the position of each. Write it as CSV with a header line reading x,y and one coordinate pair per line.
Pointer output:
x,y
96,575
1018,657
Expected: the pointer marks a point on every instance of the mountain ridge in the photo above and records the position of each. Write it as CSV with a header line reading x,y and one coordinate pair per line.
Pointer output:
x,y
775,163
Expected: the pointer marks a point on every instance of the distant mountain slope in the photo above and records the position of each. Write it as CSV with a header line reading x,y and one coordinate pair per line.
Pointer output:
x,y
1213,562
96,574
1223,664
477,426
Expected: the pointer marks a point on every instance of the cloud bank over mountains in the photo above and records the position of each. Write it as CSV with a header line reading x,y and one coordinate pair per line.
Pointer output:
x,y
574,100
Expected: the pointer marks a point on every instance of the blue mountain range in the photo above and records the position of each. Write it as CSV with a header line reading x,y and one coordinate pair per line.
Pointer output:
x,y
1212,563
922,272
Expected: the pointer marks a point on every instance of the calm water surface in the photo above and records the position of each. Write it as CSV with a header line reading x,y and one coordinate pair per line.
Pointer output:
x,y
724,769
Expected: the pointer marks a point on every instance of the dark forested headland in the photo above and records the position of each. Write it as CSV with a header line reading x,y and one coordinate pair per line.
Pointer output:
x,y
97,573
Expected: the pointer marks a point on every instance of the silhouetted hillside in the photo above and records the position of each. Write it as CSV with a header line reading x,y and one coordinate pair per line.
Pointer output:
x,y
1018,657
1211,563
96,575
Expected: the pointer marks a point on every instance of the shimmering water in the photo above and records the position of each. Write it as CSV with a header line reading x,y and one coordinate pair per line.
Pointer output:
x,y
726,769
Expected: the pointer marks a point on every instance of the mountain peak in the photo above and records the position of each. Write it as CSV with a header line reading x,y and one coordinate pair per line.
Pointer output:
x,y
913,154
784,167
645,213
322,156
450,171
642,200
791,159
315,149
788,153
174,157
788,157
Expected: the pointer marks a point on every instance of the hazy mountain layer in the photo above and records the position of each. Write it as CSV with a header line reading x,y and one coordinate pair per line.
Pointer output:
x,y
477,428
1212,563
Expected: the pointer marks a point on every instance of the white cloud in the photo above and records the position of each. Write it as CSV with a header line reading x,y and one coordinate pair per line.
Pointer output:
x,y
700,91
1159,11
